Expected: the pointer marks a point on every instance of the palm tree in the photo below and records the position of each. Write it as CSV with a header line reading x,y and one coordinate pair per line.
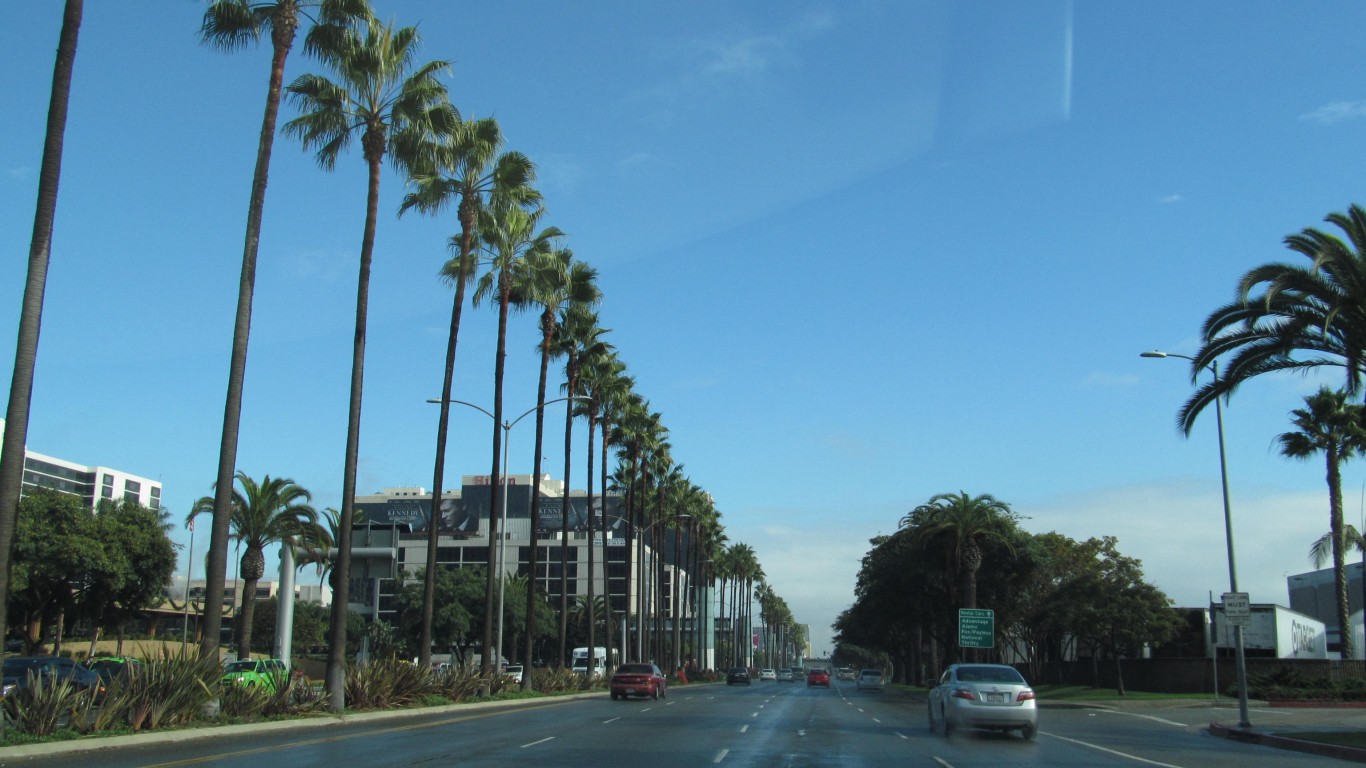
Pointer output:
x,y
957,525
577,337
1317,310
274,511
31,310
554,281
613,393
1328,424
507,233
395,109
230,25
462,169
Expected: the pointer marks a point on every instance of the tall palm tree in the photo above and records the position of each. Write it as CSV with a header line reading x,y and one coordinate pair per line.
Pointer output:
x,y
577,337
230,25
1328,424
508,235
31,310
613,393
591,374
462,168
957,526
273,511
554,282
395,108
1317,311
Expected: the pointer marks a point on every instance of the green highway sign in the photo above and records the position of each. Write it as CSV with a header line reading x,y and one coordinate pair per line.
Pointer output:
x,y
976,628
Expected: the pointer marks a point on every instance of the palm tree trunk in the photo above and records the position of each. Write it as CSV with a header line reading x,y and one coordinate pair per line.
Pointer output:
x,y
336,652
1339,555
547,326
282,40
438,470
572,369
31,313
605,430
592,608
495,486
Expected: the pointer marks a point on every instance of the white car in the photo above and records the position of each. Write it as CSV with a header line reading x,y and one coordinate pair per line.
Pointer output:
x,y
785,675
986,696
768,674
869,680
513,671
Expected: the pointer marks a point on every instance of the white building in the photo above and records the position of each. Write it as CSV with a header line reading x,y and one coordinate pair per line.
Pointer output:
x,y
91,483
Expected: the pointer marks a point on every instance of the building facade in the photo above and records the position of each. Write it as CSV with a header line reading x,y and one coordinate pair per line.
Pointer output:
x,y
91,483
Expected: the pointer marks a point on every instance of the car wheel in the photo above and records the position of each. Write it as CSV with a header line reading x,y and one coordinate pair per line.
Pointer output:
x,y
1029,731
929,712
948,725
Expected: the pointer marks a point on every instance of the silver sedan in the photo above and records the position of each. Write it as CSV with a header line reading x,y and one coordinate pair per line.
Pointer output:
x,y
986,696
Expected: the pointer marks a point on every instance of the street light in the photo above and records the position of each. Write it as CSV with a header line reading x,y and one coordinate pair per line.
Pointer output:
x,y
1241,660
502,526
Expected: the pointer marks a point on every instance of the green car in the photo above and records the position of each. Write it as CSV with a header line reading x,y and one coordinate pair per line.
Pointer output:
x,y
265,673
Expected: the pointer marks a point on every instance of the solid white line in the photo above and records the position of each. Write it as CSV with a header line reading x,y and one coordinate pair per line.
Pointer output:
x,y
1110,751
542,741
721,755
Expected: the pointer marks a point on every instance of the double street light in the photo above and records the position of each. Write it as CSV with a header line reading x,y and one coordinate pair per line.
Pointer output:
x,y
1239,656
502,526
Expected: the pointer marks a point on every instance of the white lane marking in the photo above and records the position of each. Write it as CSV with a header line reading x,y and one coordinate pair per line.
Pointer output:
x,y
613,720
744,728
876,720
1109,751
942,762
721,756
801,732
542,741
1146,717
902,736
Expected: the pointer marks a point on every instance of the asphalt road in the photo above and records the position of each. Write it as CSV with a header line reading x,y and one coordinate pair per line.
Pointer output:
x,y
765,724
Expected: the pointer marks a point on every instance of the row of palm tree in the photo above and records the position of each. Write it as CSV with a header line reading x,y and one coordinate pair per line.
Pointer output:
x,y
1301,317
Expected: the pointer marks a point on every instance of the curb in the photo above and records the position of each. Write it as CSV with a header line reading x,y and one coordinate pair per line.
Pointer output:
x,y
1352,754
97,743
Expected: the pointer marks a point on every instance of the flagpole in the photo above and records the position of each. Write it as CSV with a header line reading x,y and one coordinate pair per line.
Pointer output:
x,y
189,564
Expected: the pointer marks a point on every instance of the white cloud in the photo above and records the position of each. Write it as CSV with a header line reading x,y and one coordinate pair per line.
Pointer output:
x,y
1337,112
1171,199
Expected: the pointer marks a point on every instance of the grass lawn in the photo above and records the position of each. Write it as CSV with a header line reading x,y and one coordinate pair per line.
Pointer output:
x,y
1087,693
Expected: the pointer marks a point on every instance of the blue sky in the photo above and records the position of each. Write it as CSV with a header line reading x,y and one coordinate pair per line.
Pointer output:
x,y
856,254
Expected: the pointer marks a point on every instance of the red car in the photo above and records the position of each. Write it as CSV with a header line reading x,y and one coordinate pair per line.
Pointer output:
x,y
818,676
638,680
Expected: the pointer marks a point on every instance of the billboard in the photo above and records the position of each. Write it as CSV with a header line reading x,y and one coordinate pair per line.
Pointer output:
x,y
415,515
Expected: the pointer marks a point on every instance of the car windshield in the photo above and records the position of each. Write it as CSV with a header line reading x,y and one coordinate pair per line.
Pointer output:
x,y
241,666
635,669
990,675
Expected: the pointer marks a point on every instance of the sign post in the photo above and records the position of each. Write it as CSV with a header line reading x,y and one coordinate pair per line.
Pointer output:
x,y
976,628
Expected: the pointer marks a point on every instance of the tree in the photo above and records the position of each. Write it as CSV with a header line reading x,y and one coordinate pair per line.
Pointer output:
x,y
1317,310
396,109
462,169
554,281
230,25
57,557
273,511
459,606
141,560
1328,424
507,231
31,309
957,525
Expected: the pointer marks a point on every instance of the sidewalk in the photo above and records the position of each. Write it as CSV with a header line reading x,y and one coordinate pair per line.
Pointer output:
x,y
1276,725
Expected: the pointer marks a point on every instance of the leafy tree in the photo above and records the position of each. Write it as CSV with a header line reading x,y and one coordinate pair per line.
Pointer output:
x,y
396,109
458,607
273,511
309,629
1328,424
31,308
230,25
57,559
141,559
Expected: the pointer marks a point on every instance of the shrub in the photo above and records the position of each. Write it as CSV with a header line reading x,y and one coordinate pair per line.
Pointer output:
x,y
48,705
385,683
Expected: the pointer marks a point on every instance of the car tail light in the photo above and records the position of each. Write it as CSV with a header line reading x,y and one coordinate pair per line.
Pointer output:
x,y
965,693
1025,695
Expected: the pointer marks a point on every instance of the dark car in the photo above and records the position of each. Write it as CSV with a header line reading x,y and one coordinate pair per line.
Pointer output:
x,y
638,680
110,667
737,676
818,676
19,671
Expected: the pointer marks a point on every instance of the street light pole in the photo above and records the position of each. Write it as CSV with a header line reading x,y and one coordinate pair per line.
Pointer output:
x,y
502,527
1239,656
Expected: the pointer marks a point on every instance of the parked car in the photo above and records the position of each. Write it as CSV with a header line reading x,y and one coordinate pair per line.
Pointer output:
x,y
638,680
19,671
768,674
110,667
785,675
737,676
265,673
818,676
984,696
513,671
869,680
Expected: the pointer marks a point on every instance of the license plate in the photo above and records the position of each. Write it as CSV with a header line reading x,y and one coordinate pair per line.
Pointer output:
x,y
996,698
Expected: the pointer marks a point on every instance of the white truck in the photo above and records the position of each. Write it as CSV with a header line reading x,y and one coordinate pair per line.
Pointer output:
x,y
594,665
